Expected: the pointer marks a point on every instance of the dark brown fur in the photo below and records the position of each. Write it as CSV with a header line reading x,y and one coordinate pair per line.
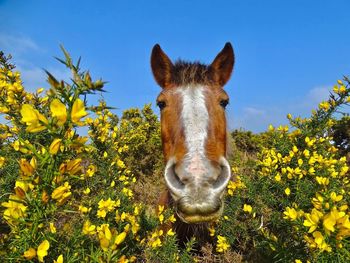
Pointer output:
x,y
187,73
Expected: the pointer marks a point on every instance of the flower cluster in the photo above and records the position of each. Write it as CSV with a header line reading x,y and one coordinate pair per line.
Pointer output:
x,y
311,179
68,189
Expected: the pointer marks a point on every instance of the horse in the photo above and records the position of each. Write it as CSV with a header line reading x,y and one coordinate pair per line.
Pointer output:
x,y
194,137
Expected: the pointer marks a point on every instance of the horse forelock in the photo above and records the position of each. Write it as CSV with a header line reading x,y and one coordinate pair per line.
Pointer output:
x,y
190,73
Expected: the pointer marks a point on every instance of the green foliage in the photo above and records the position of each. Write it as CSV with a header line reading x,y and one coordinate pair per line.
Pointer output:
x,y
340,132
246,141
93,198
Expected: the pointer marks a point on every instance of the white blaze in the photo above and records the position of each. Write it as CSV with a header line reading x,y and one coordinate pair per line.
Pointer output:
x,y
195,123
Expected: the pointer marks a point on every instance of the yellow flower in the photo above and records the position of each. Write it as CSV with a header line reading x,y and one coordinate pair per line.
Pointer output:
x,y
222,244
343,208
335,197
172,219
58,111
322,180
15,208
309,142
83,209
2,161
91,170
295,149
320,242
59,259
33,119
344,170
160,209
88,228
331,218
26,167
290,213
311,171
120,238
39,90
170,232
21,187
287,191
318,237
298,261
78,111
120,164
247,208
87,191
30,253
55,146
42,250
44,197
306,153
211,230
232,186
52,228
104,235
317,202
62,193
344,224
342,89
312,219
128,192
106,206
74,166
283,128
156,243
161,218
278,177
324,105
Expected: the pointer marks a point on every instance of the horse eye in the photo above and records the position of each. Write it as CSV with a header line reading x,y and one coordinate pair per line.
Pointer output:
x,y
223,103
161,104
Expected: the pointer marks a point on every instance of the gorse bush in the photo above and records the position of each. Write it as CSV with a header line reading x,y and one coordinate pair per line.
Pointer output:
x,y
80,184
295,203
67,197
341,135
310,182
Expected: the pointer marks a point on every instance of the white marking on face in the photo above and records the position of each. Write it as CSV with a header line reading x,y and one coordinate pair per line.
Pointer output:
x,y
195,120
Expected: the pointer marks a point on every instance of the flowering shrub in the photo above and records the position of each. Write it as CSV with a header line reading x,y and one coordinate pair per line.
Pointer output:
x,y
65,196
74,179
295,202
311,183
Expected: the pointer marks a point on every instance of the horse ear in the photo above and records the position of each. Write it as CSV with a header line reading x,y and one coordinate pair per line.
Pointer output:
x,y
222,66
161,67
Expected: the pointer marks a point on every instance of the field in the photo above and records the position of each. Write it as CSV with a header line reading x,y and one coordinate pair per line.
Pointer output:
x,y
68,197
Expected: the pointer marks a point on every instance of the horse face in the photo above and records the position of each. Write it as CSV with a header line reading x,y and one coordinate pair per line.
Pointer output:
x,y
194,136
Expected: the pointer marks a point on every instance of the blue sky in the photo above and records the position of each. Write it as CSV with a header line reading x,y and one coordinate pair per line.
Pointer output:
x,y
289,54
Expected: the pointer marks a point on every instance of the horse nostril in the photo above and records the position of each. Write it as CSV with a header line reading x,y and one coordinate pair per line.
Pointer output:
x,y
223,178
172,179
